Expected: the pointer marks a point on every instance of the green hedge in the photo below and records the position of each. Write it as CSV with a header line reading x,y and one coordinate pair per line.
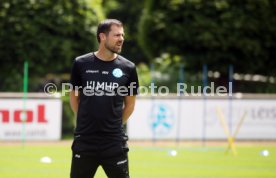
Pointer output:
x,y
68,119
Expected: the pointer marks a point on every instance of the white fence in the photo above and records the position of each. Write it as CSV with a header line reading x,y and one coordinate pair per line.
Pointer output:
x,y
42,121
170,118
197,118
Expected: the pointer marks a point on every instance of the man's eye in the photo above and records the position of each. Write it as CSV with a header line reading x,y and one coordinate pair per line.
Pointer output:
x,y
119,35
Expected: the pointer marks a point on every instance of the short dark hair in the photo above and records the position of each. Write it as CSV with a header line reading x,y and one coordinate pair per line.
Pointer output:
x,y
105,26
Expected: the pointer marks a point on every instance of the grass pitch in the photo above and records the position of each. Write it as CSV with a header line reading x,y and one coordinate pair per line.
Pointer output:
x,y
17,161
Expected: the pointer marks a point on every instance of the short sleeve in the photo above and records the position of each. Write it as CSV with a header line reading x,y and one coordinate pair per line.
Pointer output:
x,y
75,76
133,83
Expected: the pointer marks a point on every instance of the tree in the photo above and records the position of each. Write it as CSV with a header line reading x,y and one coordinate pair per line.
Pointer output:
x,y
49,34
216,32
129,12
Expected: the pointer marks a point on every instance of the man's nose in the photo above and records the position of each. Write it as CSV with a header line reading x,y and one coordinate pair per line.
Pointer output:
x,y
121,37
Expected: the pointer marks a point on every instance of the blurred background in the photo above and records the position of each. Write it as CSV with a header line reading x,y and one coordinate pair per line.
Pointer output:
x,y
163,34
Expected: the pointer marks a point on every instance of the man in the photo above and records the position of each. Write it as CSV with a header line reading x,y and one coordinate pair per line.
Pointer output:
x,y
105,85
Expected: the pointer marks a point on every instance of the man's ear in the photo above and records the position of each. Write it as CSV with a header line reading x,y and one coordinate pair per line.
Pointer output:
x,y
102,36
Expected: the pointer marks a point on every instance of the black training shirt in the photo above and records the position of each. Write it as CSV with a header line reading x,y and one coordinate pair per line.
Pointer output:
x,y
102,86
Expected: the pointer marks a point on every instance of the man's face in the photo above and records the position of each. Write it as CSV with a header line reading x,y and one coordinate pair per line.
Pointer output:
x,y
114,39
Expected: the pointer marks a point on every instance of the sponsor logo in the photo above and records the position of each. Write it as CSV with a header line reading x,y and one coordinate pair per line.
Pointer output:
x,y
92,71
117,73
77,156
161,119
121,162
19,115
106,86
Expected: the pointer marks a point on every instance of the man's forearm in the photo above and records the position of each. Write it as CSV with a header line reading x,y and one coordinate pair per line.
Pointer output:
x,y
129,103
74,101
127,111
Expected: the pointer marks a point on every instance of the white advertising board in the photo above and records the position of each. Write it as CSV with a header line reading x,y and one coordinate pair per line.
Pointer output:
x,y
42,119
198,119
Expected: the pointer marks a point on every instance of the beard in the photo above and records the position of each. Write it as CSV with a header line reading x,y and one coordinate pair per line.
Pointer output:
x,y
114,49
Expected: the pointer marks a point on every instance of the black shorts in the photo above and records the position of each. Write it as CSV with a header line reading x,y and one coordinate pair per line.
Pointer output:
x,y
85,166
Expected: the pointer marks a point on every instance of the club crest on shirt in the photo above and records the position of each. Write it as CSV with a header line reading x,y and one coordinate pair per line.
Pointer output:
x,y
117,73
